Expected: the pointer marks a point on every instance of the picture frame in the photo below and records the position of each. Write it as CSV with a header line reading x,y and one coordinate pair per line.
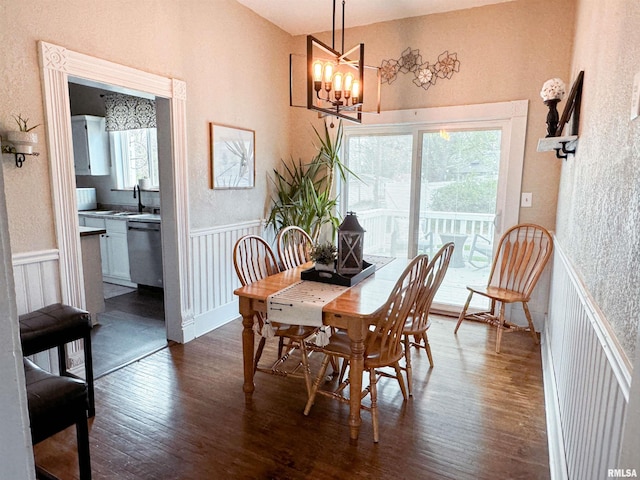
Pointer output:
x,y
572,107
232,157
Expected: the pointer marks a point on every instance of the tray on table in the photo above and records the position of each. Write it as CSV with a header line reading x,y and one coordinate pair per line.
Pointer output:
x,y
335,278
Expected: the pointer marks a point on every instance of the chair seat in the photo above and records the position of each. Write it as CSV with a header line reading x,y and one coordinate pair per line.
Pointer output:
x,y
340,344
54,401
410,329
499,294
52,326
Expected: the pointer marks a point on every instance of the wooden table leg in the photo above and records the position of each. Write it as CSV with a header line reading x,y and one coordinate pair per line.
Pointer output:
x,y
356,366
247,347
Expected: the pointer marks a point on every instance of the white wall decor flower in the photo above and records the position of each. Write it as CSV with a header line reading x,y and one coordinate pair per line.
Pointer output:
x,y
553,89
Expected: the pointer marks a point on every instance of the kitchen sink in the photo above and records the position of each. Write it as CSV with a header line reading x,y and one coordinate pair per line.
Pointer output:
x,y
125,214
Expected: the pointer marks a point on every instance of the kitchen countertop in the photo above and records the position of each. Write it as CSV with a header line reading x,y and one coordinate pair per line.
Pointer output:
x,y
115,215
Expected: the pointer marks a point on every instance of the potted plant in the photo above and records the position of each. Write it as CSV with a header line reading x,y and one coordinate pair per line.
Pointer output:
x,y
324,256
23,139
304,194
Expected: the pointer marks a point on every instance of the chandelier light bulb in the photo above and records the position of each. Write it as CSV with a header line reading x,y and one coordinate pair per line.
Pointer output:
x,y
355,91
337,82
348,84
328,73
317,71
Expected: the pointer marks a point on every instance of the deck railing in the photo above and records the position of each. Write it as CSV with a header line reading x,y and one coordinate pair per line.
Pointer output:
x,y
387,229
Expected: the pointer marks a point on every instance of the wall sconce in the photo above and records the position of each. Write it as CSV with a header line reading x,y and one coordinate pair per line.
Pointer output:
x,y
21,141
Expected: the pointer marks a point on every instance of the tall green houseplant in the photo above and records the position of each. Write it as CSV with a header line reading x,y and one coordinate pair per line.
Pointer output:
x,y
304,191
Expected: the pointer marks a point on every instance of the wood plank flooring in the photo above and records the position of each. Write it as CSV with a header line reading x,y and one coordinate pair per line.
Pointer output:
x,y
180,414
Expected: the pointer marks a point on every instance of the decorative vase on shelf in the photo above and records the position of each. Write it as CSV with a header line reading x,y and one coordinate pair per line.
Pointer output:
x,y
552,117
23,142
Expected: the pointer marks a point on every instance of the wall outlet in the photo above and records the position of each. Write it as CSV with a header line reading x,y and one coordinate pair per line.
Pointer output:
x,y
526,199
635,97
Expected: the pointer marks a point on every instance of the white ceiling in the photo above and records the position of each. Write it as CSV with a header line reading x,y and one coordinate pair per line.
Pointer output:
x,y
309,16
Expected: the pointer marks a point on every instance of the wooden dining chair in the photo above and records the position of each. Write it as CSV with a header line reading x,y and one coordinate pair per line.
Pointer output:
x,y
254,260
418,321
294,247
383,344
522,254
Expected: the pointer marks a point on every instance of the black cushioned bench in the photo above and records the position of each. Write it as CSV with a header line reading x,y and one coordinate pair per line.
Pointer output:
x,y
54,326
55,403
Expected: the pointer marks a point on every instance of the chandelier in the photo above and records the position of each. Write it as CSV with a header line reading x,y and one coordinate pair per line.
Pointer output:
x,y
336,80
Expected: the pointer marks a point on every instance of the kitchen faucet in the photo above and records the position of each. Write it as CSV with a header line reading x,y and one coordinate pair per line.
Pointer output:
x,y
140,205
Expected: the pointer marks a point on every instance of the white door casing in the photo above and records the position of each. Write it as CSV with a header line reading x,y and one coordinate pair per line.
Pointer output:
x,y
57,65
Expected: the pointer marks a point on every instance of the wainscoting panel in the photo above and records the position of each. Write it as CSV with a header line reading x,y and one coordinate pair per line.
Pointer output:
x,y
587,380
37,281
213,275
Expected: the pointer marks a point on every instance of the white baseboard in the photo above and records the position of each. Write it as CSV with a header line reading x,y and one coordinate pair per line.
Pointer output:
x,y
208,321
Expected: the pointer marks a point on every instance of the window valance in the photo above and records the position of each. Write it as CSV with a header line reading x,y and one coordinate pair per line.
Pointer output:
x,y
125,112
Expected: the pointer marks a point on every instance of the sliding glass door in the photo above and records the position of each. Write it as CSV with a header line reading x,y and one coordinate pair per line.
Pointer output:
x,y
419,185
458,197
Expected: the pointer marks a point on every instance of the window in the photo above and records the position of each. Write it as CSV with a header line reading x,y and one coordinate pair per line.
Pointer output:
x,y
135,156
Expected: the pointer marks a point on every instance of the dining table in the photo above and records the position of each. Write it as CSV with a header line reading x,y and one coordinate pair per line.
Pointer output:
x,y
353,311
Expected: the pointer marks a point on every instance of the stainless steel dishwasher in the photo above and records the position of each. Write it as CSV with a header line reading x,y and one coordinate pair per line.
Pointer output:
x,y
145,252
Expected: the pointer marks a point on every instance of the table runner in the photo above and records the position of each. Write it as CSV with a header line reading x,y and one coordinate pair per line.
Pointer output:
x,y
301,303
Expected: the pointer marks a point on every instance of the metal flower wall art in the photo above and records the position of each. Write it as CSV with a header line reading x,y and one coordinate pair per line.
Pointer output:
x,y
425,73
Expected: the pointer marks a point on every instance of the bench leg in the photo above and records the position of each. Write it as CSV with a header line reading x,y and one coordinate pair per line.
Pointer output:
x,y
82,438
62,359
88,369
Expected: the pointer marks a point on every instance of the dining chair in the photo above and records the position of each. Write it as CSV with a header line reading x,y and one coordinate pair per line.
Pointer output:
x,y
383,343
522,254
254,260
418,321
294,247
481,251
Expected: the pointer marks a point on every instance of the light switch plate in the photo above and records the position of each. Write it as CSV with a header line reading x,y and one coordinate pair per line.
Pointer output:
x,y
635,97
526,199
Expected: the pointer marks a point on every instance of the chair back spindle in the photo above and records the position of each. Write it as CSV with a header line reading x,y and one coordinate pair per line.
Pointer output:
x,y
436,271
408,291
294,247
253,259
522,255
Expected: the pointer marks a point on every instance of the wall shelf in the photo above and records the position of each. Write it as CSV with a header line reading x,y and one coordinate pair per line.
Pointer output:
x,y
563,146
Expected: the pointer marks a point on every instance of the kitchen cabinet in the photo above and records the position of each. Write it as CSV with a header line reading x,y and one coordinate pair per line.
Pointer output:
x,y
113,250
90,145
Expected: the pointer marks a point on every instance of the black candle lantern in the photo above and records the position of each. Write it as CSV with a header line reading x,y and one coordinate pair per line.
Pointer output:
x,y
350,244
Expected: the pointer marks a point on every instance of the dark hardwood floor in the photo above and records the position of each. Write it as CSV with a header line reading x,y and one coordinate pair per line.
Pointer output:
x,y
180,414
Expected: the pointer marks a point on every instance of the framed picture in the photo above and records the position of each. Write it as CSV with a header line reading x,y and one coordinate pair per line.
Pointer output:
x,y
232,157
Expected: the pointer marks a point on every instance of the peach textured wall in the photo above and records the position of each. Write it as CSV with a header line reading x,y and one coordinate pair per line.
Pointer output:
x,y
599,201
217,47
506,52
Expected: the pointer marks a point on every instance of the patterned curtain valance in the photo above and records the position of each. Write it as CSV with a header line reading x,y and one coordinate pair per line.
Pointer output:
x,y
125,112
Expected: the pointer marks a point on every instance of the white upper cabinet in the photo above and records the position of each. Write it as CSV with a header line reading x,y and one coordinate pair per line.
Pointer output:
x,y
90,145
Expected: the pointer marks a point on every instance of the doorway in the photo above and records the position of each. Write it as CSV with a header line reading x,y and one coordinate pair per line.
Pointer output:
x,y
129,319
435,176
59,65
